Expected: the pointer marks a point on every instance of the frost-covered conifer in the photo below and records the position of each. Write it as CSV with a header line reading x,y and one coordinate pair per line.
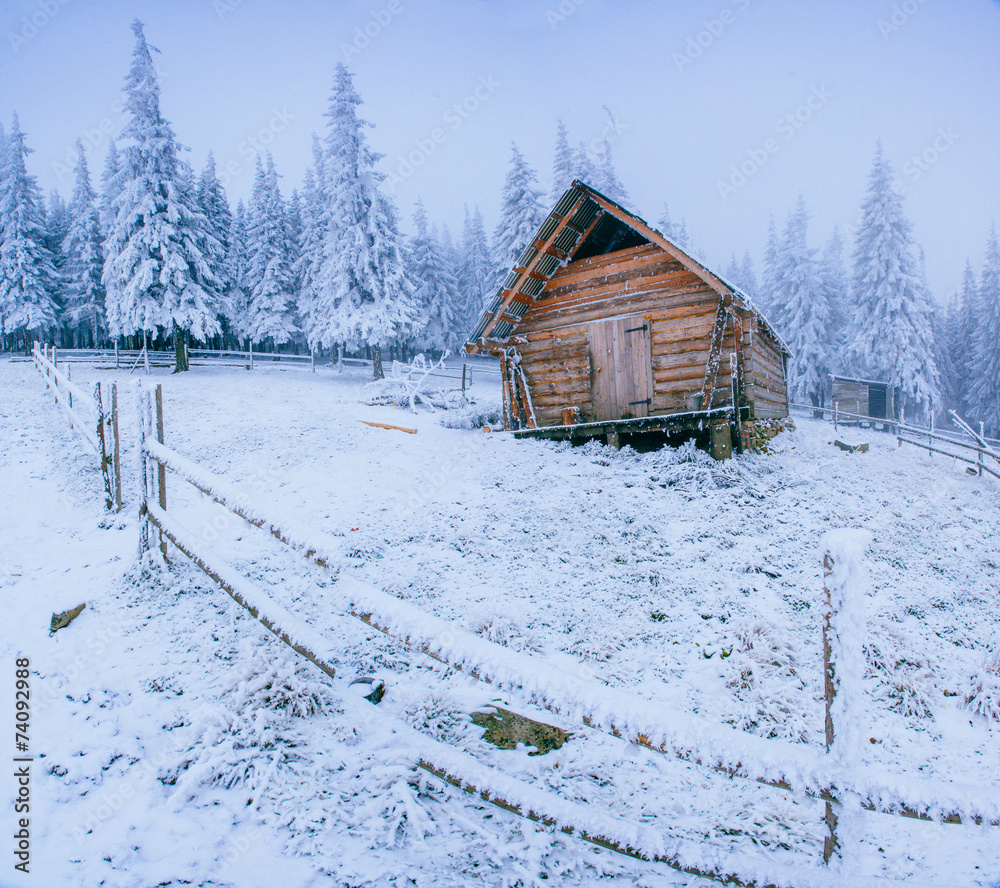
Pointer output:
x,y
521,214
964,333
237,303
269,279
802,311
315,198
475,269
111,189
675,233
84,260
892,336
437,291
608,182
562,164
28,278
363,294
986,353
156,272
835,287
584,168
768,277
218,222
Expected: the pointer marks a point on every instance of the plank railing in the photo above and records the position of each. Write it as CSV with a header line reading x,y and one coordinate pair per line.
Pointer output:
x,y
777,764
96,424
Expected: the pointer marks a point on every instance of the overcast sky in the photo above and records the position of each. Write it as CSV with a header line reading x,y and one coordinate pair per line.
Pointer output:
x,y
795,93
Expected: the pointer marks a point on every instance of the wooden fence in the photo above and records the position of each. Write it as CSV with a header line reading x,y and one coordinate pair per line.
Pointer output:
x,y
973,443
88,416
785,766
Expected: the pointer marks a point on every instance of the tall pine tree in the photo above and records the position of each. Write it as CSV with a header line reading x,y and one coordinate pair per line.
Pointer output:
x,y
270,278
363,294
892,336
521,214
985,388
218,222
84,260
28,278
156,272
475,269
437,291
562,164
802,311
835,289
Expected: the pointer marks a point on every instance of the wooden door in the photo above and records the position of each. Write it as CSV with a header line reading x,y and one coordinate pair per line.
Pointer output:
x,y
621,368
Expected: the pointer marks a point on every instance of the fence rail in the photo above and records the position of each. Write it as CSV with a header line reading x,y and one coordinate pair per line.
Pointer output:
x,y
790,767
910,434
88,416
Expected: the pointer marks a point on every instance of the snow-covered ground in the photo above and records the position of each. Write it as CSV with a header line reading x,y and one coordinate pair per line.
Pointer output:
x,y
178,743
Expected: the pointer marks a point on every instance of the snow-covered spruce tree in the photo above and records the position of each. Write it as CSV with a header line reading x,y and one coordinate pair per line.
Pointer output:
x,y
364,296
563,164
835,287
675,233
608,182
892,335
156,272
310,247
236,303
802,312
949,357
270,277
111,189
218,223
475,269
521,215
986,352
84,260
437,291
28,278
584,168
964,336
748,277
769,275
56,217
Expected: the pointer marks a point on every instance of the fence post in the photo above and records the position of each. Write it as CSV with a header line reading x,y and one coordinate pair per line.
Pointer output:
x,y
143,405
103,444
117,450
312,359
116,354
982,436
161,472
463,379
835,408
829,692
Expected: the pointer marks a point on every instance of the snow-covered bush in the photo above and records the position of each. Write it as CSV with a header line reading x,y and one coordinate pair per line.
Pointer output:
x,y
983,695
905,678
761,673
252,732
504,629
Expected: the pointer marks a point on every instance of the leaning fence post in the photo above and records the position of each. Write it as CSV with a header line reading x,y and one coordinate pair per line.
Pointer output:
x,y
463,379
982,436
312,359
117,450
161,472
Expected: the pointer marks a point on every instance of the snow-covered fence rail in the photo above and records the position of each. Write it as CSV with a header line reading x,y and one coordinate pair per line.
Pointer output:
x,y
923,438
88,417
832,777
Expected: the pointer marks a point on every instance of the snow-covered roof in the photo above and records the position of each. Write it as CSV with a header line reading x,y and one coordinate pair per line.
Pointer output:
x,y
865,381
582,224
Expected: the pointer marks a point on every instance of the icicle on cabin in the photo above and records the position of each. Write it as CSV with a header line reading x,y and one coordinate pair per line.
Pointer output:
x,y
605,327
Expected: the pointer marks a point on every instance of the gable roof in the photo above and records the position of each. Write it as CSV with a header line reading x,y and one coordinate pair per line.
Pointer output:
x,y
585,223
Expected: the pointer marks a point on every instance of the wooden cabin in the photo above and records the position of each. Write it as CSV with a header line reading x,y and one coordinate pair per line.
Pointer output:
x,y
864,397
606,327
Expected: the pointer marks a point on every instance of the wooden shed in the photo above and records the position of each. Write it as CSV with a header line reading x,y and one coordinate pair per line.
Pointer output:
x,y
606,327
865,397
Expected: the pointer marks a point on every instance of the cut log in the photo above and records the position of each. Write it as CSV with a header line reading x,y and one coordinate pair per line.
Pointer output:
x,y
382,425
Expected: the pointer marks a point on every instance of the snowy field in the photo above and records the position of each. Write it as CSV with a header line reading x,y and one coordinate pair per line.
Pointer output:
x,y
178,744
